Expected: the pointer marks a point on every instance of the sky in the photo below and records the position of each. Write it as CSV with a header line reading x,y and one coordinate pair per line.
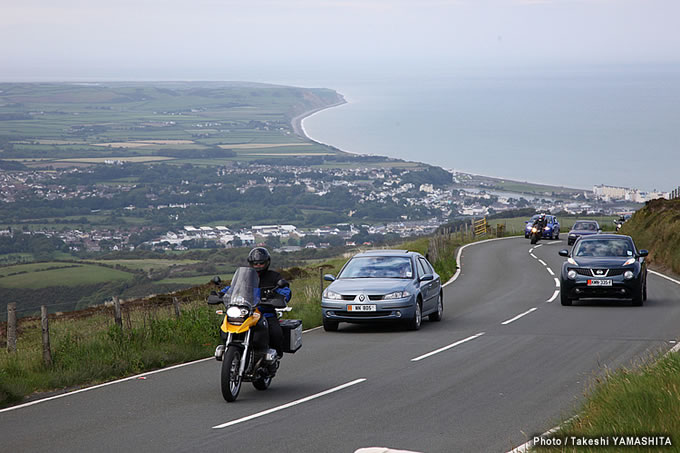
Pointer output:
x,y
276,40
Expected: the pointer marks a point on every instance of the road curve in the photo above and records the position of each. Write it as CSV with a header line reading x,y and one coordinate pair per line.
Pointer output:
x,y
506,362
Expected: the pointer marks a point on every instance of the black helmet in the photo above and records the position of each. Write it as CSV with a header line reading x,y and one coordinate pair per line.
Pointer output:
x,y
259,255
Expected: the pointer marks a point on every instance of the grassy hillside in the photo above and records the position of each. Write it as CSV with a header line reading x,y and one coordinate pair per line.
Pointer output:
x,y
656,227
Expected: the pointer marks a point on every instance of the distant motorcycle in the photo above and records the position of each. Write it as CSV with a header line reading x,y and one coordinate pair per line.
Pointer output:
x,y
245,352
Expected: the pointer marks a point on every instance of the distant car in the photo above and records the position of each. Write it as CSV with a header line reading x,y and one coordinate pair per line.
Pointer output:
x,y
604,266
582,228
383,285
551,230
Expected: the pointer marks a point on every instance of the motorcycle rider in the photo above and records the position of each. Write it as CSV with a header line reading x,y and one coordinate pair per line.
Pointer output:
x,y
259,259
540,223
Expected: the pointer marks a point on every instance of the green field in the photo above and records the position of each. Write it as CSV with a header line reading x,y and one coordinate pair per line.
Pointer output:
x,y
146,264
43,275
53,124
193,281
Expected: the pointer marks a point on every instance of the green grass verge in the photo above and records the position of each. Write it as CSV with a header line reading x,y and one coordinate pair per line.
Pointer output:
x,y
637,402
89,348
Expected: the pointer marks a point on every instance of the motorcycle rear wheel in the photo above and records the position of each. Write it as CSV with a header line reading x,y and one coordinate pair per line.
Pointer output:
x,y
230,380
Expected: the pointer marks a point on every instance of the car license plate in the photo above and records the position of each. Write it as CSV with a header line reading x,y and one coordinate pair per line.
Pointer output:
x,y
599,283
361,308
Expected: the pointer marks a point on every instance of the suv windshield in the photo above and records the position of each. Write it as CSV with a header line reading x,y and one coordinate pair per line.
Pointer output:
x,y
378,267
604,247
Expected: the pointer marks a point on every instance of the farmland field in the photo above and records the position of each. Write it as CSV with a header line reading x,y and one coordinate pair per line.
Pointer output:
x,y
39,275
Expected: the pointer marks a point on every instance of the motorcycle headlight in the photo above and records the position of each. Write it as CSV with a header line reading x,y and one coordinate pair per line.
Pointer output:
x,y
396,295
236,315
571,274
332,295
628,275
534,229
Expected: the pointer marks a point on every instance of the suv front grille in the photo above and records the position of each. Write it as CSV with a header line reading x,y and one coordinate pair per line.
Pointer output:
x,y
593,272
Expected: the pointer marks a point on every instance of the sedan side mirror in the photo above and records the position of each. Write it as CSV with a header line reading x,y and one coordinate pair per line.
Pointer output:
x,y
329,278
643,253
427,277
564,252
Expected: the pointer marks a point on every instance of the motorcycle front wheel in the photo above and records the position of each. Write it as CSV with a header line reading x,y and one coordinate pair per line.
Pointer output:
x,y
230,380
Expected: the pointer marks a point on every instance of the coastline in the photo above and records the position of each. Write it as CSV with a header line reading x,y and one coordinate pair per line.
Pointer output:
x,y
298,122
299,129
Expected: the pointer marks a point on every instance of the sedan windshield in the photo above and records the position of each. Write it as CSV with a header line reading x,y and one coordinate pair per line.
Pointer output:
x,y
604,247
585,226
378,267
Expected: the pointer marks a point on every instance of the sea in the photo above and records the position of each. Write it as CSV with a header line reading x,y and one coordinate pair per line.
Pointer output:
x,y
569,126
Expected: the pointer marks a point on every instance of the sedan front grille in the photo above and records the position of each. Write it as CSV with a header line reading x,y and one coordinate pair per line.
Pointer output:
x,y
354,296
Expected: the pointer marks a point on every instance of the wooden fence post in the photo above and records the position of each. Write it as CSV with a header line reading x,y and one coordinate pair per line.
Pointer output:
x,y
175,302
116,312
47,353
320,282
12,327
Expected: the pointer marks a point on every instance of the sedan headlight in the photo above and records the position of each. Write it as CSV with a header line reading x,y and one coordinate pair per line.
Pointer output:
x,y
629,262
571,274
397,295
332,295
628,275
546,228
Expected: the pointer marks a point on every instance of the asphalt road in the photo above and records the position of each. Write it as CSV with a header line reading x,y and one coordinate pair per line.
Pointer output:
x,y
505,363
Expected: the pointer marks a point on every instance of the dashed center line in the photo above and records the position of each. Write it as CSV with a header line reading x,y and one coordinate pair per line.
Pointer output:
x,y
291,404
447,347
554,296
518,316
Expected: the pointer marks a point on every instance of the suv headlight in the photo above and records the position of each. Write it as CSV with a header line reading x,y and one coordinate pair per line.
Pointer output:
x,y
332,295
396,295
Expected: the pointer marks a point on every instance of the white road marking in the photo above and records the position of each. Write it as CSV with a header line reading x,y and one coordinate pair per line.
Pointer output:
x,y
137,376
130,378
460,252
531,250
518,316
551,272
291,404
543,262
663,276
557,282
453,345
533,256
539,245
554,296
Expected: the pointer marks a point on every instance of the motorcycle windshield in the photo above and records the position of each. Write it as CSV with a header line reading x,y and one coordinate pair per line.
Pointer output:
x,y
243,290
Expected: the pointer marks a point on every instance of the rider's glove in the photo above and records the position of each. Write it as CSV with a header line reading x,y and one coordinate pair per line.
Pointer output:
x,y
285,292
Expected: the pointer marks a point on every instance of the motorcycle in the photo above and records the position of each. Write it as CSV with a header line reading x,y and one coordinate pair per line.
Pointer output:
x,y
536,234
244,352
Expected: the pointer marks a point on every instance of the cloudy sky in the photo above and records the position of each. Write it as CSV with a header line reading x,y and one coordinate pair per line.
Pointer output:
x,y
239,39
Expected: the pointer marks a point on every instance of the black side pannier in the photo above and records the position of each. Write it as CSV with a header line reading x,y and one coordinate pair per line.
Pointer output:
x,y
292,334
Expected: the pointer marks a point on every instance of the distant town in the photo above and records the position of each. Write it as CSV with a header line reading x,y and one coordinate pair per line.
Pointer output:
x,y
420,207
